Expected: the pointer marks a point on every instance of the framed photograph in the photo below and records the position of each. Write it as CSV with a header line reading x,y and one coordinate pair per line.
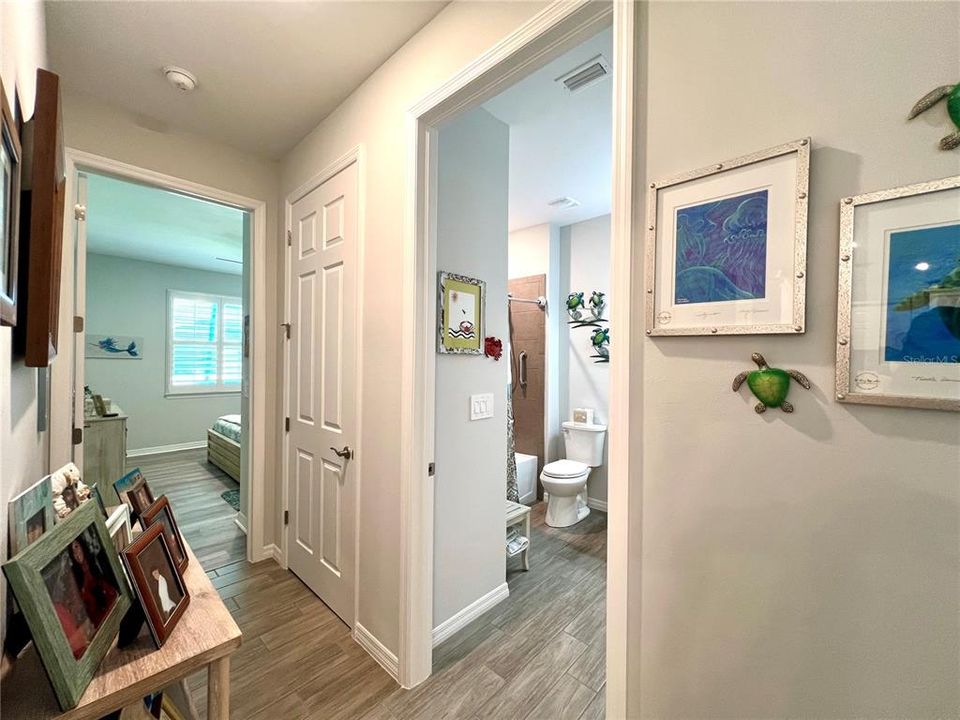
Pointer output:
x,y
69,490
31,515
132,489
40,254
95,496
898,298
99,405
157,581
10,155
72,591
461,314
727,248
160,513
118,525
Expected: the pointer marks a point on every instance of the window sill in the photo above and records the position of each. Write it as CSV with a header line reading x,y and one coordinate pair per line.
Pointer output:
x,y
187,396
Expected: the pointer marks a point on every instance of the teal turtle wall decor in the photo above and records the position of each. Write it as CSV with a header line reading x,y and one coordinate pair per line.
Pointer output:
x,y
770,385
952,94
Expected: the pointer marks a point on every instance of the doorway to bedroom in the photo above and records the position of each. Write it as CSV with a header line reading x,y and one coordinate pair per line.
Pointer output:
x,y
166,352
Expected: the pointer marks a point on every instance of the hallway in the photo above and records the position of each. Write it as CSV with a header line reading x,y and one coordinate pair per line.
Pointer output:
x,y
537,655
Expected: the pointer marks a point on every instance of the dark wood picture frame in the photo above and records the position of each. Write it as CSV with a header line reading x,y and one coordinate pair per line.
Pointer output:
x,y
10,138
69,675
159,629
42,213
160,513
140,497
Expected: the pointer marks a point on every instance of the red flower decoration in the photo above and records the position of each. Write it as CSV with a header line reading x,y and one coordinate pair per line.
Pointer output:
x,y
493,347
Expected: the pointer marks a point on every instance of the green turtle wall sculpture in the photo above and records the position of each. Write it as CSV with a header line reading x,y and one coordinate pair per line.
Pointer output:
x,y
952,94
769,385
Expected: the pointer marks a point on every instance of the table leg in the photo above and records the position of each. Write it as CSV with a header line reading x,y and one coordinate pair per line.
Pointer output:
x,y
218,689
526,553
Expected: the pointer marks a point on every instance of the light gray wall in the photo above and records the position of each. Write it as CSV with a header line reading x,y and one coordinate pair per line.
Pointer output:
x,y
471,457
585,266
129,297
23,449
803,565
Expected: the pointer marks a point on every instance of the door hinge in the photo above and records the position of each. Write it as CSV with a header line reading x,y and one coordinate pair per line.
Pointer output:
x,y
289,238
286,329
77,436
79,212
431,470
286,517
286,424
77,324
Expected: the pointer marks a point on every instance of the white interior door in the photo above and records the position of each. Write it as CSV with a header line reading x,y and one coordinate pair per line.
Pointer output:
x,y
321,390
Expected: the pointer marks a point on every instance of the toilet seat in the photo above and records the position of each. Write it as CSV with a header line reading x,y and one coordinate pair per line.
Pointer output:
x,y
563,469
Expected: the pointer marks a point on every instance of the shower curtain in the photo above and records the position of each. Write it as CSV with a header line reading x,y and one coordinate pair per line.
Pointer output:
x,y
513,492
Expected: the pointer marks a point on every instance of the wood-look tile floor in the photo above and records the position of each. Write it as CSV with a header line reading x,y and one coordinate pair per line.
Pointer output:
x,y
538,655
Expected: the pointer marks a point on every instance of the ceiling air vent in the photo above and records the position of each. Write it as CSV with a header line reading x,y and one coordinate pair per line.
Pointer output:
x,y
585,75
563,203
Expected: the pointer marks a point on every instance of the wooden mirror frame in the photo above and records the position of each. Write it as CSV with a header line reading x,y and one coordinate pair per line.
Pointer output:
x,y
11,138
42,206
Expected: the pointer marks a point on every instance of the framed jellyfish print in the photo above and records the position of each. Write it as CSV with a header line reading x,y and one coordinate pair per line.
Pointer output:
x,y
727,246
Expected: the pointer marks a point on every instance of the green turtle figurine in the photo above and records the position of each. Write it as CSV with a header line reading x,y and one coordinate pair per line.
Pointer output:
x,y
769,385
952,94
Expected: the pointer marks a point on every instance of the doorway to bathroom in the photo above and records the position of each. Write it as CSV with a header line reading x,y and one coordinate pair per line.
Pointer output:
x,y
519,551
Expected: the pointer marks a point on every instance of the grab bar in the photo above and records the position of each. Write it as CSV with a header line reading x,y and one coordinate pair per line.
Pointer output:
x,y
522,372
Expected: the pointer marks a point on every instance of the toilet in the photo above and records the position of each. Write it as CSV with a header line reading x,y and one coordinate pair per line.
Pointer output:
x,y
565,481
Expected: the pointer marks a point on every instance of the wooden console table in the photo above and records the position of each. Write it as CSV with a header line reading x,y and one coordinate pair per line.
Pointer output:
x,y
205,637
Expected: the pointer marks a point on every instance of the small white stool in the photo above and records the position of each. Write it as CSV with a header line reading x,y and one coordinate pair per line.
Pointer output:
x,y
517,514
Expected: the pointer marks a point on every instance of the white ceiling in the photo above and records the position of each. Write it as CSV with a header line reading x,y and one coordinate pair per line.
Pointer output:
x,y
268,72
129,220
560,142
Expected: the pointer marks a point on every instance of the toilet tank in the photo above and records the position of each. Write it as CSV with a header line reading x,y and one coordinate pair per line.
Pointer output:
x,y
583,442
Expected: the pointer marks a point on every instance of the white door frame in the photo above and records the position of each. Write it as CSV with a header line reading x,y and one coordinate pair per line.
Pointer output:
x,y
557,28
354,155
62,374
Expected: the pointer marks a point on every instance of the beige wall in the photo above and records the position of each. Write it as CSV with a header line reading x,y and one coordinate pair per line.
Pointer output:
x,y
23,450
91,126
799,565
375,116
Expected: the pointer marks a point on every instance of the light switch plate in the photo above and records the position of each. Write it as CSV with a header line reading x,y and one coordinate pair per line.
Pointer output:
x,y
481,406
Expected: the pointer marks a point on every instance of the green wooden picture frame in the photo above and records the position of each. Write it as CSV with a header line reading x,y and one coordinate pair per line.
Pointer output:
x,y
68,675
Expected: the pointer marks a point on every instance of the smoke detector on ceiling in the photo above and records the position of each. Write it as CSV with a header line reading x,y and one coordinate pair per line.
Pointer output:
x,y
592,71
181,79
563,203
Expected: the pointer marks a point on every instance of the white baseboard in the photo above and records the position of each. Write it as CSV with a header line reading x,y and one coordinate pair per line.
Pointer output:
x,y
161,449
241,522
269,552
377,650
600,505
470,613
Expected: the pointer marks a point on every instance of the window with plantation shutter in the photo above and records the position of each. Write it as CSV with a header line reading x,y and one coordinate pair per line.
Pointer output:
x,y
204,343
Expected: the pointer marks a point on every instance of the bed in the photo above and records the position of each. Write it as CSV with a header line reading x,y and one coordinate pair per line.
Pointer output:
x,y
223,445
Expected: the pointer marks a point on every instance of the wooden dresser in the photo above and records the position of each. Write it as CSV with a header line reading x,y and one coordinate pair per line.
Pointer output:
x,y
105,452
